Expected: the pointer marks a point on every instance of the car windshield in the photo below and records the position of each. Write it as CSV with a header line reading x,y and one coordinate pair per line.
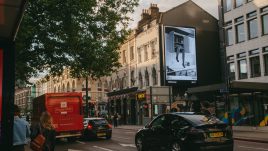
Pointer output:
x,y
202,119
99,121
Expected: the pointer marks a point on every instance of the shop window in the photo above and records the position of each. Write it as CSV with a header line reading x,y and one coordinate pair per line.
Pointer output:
x,y
241,110
265,24
231,71
228,5
242,68
240,33
252,28
265,59
229,36
255,66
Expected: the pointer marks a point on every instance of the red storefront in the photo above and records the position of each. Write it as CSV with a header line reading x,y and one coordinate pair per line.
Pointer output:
x,y
11,12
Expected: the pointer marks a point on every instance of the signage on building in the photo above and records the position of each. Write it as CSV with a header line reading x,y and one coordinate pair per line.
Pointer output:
x,y
180,54
1,78
141,96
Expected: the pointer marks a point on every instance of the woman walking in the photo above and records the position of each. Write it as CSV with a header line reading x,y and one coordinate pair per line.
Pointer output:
x,y
46,128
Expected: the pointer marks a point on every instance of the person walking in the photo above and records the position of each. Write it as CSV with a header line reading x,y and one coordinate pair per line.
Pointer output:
x,y
115,120
21,131
46,128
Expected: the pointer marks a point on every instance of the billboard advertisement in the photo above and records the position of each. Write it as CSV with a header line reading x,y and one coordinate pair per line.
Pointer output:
x,y
1,78
180,54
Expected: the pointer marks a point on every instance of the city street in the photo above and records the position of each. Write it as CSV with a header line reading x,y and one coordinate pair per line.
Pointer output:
x,y
123,140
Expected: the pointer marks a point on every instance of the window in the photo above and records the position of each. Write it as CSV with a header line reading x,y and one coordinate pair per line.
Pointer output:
x,y
229,23
265,60
124,56
147,79
252,14
229,36
139,55
238,3
228,5
132,78
255,66
241,55
131,53
252,28
145,53
230,58
240,33
153,49
242,66
159,121
140,80
154,75
265,24
231,71
264,9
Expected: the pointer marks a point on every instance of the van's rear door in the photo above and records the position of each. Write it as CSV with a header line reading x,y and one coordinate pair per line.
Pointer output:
x,y
66,112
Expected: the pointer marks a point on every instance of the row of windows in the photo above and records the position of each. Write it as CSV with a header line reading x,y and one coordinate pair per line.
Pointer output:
x,y
232,4
254,64
252,27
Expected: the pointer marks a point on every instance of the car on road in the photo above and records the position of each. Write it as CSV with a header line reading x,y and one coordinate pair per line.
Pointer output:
x,y
185,131
95,127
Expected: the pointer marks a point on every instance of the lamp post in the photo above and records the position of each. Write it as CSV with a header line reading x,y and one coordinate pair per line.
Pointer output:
x,y
11,13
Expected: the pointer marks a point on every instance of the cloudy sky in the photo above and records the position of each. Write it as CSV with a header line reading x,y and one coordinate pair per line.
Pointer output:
x,y
210,6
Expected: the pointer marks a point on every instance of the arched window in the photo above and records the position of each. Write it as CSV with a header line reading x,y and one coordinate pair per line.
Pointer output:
x,y
73,86
59,90
55,89
147,78
63,88
154,76
68,87
140,80
132,78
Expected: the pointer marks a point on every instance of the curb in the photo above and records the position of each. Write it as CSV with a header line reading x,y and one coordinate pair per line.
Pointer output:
x,y
251,140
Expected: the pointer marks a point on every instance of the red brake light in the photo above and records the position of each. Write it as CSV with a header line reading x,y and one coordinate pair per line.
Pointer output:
x,y
89,126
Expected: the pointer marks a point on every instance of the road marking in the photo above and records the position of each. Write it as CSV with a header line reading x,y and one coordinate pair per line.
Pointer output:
x,y
80,142
120,137
252,148
73,150
102,148
128,145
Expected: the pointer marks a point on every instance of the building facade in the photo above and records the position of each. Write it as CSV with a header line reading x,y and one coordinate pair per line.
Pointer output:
x,y
23,98
246,37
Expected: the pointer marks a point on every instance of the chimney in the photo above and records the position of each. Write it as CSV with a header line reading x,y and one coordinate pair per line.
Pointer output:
x,y
145,14
154,10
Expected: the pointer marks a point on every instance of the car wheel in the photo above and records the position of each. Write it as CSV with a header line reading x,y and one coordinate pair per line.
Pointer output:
x,y
139,144
175,146
108,136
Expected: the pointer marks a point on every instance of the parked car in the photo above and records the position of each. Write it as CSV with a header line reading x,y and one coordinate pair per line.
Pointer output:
x,y
97,127
184,131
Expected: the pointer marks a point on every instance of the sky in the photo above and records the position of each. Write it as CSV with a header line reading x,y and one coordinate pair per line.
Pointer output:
x,y
211,6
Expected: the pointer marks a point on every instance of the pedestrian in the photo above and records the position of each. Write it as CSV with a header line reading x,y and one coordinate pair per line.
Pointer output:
x,y
21,131
115,120
46,128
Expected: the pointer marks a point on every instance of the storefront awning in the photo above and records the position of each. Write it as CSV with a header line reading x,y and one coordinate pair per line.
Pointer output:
x,y
207,88
249,85
122,92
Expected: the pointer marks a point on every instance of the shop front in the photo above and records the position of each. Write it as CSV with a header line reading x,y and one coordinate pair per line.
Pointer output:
x,y
245,104
123,102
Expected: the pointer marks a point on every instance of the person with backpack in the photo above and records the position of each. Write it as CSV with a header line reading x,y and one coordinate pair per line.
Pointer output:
x,y
46,128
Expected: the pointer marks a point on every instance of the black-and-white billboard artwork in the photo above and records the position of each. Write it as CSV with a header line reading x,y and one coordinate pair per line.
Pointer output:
x,y
180,53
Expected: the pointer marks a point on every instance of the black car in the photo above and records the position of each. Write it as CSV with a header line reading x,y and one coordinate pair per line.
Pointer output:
x,y
97,127
185,132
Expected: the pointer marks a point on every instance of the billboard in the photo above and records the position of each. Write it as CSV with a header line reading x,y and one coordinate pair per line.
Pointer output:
x,y
1,83
180,54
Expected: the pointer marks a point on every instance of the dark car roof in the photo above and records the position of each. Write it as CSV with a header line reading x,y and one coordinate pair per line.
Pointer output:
x,y
198,119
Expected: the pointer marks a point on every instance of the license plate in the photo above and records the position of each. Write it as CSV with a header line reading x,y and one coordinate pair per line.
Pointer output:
x,y
217,134
101,134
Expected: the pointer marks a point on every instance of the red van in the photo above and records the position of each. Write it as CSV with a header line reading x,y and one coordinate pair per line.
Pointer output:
x,y
66,110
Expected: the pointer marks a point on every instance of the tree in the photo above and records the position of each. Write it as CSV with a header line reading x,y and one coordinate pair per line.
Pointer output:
x,y
82,35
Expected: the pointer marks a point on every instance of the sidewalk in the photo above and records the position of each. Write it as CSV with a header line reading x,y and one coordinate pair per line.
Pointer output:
x,y
252,136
